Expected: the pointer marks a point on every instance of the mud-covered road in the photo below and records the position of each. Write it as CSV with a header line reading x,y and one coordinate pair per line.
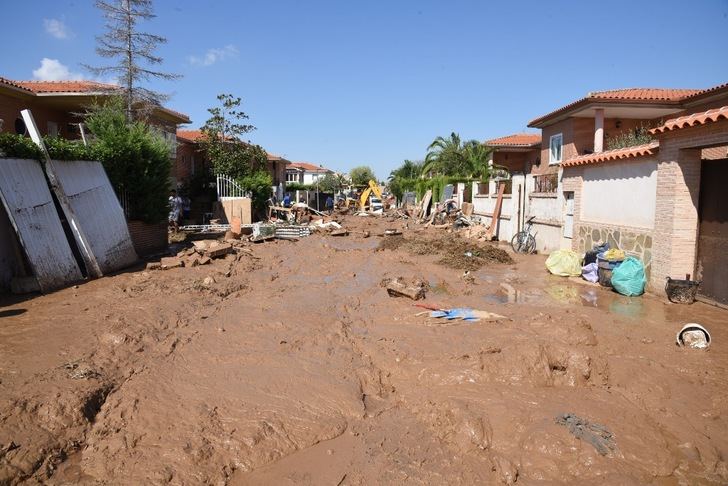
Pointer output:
x,y
295,367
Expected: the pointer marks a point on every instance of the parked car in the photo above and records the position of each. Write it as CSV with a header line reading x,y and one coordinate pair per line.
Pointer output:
x,y
375,205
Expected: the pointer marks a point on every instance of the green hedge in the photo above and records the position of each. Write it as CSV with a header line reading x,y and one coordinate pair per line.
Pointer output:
x,y
22,147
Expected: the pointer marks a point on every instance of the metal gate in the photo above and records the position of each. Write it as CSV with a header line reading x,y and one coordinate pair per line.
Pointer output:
x,y
712,264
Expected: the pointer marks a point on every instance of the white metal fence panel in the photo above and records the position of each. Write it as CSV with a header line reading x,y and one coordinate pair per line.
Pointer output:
x,y
98,212
29,204
227,188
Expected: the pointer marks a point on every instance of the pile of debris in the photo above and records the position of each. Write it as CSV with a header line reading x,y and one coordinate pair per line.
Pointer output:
x,y
201,252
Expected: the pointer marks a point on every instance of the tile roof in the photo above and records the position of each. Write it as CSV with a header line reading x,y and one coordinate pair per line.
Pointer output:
x,y
628,95
643,94
516,140
80,86
196,136
705,92
192,136
13,84
610,155
277,158
308,167
687,121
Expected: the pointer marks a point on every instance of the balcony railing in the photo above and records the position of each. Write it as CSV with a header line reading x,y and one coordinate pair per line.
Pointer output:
x,y
546,183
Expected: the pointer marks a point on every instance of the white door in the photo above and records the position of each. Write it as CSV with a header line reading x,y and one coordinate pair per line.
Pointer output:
x,y
568,214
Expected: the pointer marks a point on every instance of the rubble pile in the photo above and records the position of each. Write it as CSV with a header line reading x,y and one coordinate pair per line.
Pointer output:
x,y
201,252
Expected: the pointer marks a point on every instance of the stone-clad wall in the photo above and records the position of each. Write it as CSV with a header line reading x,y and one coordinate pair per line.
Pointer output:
x,y
635,242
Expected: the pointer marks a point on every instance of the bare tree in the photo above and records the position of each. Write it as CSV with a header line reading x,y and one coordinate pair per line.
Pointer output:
x,y
133,49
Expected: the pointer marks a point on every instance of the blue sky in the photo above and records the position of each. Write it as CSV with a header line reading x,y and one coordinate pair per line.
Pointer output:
x,y
346,83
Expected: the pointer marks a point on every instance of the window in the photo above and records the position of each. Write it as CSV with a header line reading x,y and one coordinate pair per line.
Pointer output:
x,y
20,126
291,176
52,129
555,146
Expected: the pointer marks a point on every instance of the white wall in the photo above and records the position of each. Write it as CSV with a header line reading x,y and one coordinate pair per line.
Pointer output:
x,y
621,193
545,208
311,177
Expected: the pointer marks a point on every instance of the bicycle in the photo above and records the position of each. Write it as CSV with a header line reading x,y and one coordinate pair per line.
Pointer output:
x,y
524,241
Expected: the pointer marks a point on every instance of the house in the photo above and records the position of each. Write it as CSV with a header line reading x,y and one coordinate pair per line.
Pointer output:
x,y
57,105
305,173
640,168
531,190
662,201
191,158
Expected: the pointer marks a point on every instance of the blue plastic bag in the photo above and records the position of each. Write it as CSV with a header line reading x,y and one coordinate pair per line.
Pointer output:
x,y
629,277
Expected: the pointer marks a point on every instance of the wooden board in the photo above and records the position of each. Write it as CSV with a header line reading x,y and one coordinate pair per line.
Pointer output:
x,y
496,211
425,204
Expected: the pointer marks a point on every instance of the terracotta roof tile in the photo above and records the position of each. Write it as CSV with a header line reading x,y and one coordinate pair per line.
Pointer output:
x,y
610,155
638,95
67,86
644,94
192,136
707,92
196,136
308,167
516,140
687,121
13,84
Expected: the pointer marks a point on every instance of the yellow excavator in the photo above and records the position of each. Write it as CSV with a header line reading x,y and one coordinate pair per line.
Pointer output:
x,y
364,199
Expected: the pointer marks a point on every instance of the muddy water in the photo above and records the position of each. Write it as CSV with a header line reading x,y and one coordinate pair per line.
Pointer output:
x,y
297,368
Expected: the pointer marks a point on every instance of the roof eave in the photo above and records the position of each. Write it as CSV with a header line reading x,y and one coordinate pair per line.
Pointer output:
x,y
568,111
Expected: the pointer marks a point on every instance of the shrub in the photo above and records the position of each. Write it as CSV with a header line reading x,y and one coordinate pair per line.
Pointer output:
x,y
135,158
18,147
62,149
260,184
639,136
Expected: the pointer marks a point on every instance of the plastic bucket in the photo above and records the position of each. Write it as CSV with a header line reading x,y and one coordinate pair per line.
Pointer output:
x,y
605,268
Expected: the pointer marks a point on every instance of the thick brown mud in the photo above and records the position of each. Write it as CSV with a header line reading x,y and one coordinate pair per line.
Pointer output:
x,y
294,366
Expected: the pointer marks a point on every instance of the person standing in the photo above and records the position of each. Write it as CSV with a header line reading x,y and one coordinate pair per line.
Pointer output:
x,y
330,204
176,205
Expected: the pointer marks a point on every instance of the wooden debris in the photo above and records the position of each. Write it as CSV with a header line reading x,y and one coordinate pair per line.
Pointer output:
x,y
340,232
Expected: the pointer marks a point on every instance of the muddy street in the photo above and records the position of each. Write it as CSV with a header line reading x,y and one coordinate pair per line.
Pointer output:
x,y
292,365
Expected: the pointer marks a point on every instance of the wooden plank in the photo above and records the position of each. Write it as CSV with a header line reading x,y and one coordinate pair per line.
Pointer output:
x,y
496,211
425,204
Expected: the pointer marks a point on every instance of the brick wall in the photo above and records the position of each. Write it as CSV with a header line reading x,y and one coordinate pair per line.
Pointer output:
x,y
678,191
148,238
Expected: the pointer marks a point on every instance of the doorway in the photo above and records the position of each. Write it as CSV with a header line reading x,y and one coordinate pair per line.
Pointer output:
x,y
712,261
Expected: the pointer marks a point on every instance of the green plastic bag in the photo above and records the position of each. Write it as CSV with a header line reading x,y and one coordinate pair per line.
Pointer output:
x,y
565,263
629,278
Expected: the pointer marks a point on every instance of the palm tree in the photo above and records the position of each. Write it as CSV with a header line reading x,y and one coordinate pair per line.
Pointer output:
x,y
444,156
451,157
478,157
408,170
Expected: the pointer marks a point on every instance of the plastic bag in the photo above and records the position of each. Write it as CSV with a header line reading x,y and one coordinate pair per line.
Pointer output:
x,y
614,254
629,278
565,263
590,272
